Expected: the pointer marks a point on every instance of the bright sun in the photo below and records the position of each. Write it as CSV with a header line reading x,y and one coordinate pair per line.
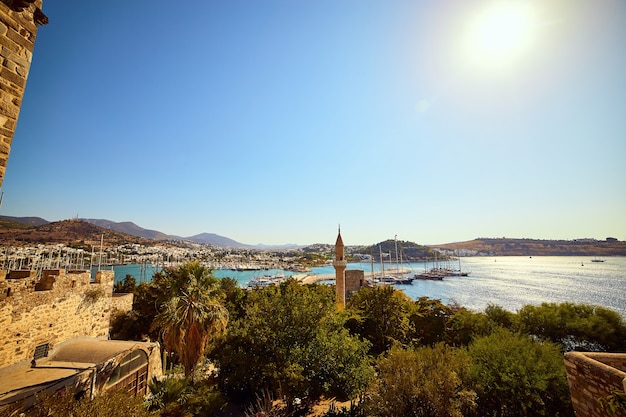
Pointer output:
x,y
500,33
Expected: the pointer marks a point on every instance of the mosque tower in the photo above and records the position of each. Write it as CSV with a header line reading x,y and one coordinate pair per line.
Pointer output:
x,y
340,271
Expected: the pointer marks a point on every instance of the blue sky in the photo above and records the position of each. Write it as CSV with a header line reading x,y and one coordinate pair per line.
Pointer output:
x,y
274,121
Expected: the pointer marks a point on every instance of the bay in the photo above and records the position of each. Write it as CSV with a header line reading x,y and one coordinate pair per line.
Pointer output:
x,y
510,282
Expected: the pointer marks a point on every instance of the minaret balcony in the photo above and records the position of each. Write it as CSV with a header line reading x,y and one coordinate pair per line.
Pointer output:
x,y
340,264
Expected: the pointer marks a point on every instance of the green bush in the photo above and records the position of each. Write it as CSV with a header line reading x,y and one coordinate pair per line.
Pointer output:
x,y
425,382
181,397
517,376
575,326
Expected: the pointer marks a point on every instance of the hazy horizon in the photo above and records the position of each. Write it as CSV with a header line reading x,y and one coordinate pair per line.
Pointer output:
x,y
274,122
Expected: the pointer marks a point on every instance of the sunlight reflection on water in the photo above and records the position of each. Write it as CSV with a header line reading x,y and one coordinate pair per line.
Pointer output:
x,y
510,282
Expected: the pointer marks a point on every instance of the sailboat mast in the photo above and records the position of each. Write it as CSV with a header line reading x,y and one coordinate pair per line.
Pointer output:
x,y
395,238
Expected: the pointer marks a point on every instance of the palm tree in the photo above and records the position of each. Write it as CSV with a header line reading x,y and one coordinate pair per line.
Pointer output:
x,y
190,319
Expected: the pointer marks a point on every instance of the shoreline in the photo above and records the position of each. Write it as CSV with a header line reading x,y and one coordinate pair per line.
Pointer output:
x,y
313,278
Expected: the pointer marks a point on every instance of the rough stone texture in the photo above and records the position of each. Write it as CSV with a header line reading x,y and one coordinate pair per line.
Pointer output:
x,y
59,306
17,40
355,279
340,265
122,302
592,376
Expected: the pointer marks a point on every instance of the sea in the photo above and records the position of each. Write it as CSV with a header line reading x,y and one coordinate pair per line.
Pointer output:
x,y
510,282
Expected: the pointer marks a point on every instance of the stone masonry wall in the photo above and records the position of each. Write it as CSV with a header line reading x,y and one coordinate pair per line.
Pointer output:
x,y
592,376
354,280
19,20
122,302
60,306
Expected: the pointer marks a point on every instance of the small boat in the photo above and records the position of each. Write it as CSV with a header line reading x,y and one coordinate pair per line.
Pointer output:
x,y
403,280
266,280
597,260
441,273
433,275
393,280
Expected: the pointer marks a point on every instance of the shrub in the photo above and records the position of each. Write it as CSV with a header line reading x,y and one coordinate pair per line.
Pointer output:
x,y
423,382
517,376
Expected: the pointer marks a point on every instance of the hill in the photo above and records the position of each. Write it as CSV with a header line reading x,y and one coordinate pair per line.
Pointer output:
x,y
213,239
73,232
409,251
134,230
129,228
537,247
8,222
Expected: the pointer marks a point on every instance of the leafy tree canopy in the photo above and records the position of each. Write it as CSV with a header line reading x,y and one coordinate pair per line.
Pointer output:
x,y
291,343
380,315
517,376
575,326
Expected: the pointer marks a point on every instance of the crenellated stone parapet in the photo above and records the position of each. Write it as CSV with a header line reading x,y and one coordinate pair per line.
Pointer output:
x,y
592,376
61,305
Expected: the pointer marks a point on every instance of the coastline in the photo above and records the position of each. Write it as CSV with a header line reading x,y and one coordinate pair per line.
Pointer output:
x,y
312,278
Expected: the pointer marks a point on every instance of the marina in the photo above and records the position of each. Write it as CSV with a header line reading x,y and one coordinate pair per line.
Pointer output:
x,y
510,282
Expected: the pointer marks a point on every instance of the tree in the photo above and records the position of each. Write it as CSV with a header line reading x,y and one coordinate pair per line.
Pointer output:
x,y
380,315
465,325
429,320
290,343
575,326
500,316
425,382
192,315
516,376
234,297
128,285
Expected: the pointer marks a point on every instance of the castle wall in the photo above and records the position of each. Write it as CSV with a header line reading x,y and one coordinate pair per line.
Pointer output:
x,y
122,302
594,376
18,29
60,306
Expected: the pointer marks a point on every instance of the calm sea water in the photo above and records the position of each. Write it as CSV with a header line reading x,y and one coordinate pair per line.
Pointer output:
x,y
510,282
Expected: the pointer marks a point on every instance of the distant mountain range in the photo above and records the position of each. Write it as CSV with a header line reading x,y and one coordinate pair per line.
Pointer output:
x,y
29,230
130,228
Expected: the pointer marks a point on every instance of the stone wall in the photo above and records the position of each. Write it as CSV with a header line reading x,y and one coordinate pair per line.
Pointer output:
x,y
355,279
122,302
19,20
592,376
59,306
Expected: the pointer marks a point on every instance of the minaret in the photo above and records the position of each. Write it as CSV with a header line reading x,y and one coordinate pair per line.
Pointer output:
x,y
340,271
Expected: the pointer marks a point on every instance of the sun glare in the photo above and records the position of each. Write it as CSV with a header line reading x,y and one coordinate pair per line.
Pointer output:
x,y
500,33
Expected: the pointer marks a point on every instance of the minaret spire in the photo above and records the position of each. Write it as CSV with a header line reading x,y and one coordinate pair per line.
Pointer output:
x,y
340,265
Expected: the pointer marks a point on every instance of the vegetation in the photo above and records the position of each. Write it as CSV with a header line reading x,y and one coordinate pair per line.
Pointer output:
x,y
421,382
72,232
189,321
575,326
538,247
410,251
182,397
380,315
287,347
65,404
291,343
614,404
514,375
